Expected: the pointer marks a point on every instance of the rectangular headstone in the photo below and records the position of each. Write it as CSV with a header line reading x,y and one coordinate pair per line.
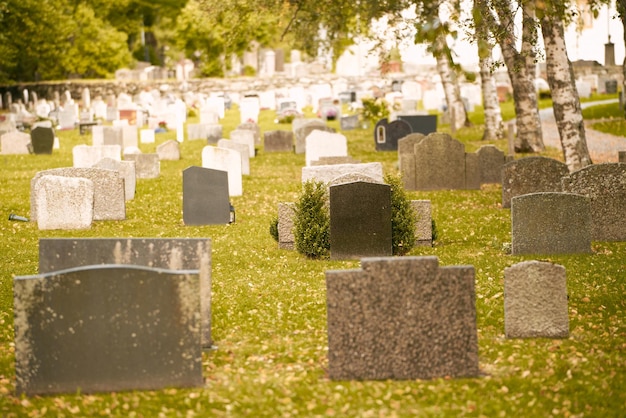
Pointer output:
x,y
228,160
244,136
424,223
326,173
126,170
325,144
205,196
166,253
42,140
406,159
243,150
146,136
278,141
64,202
15,143
535,300
401,318
439,163
421,124
286,240
85,156
360,220
147,166
168,151
490,162
531,175
348,123
108,328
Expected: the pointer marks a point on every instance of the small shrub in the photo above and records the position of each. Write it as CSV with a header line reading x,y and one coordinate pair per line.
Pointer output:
x,y
374,110
312,222
274,228
403,218
435,233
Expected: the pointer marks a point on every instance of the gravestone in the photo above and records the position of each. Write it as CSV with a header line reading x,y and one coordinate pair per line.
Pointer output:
x,y
255,128
126,170
605,186
15,143
278,141
326,173
85,156
406,159
550,223
146,136
205,196
130,136
324,144
228,160
531,175
244,136
286,239
360,220
108,328
64,202
108,199
242,149
439,163
165,253
490,162
421,124
147,166
302,132
621,156
424,222
348,123
42,140
209,115
326,160
401,318
111,135
535,300
168,151
472,171
386,135
249,108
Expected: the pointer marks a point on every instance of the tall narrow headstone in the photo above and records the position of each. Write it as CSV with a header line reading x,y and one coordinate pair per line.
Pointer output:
x,y
205,196
227,160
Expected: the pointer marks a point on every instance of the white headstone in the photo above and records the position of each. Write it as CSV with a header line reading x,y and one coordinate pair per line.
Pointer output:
x,y
64,202
85,156
325,144
243,149
249,107
246,137
147,136
228,160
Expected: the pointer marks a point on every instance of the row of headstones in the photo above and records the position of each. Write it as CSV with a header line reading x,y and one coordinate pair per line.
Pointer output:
x,y
40,140
394,318
603,187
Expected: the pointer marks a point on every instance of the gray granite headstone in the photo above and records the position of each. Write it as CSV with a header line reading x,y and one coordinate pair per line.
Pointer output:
x,y
107,328
406,159
605,186
401,318
42,140
205,196
387,134
166,253
108,201
472,171
490,161
126,169
439,163
421,124
286,239
330,160
348,123
550,223
531,175
360,220
424,222
147,166
535,301
278,141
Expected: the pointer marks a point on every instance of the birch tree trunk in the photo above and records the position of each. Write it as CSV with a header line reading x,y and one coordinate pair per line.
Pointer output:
x,y
456,108
621,11
529,137
566,104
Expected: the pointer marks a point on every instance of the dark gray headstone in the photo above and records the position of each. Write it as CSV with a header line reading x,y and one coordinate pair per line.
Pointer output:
x,y
205,196
164,253
531,175
348,123
360,220
605,186
550,223
439,163
278,141
401,318
421,124
107,328
42,140
386,135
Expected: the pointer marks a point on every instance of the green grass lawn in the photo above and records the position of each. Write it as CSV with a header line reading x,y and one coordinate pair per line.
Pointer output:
x,y
269,305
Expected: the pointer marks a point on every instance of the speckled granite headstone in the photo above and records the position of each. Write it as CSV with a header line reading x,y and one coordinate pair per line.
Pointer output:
x,y
360,220
605,186
42,140
531,175
387,134
535,301
166,253
278,141
126,169
550,223
472,171
401,318
286,240
406,158
107,328
424,224
205,196
621,156
439,163
147,166
64,202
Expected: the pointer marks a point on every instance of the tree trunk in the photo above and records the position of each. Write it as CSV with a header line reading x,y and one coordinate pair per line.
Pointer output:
x,y
566,104
528,123
621,10
456,108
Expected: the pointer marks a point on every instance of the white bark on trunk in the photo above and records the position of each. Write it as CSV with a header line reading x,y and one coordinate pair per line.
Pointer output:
x,y
494,127
456,108
566,104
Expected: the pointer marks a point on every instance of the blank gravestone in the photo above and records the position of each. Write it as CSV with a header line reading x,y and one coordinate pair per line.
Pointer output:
x,y
165,253
42,140
278,141
360,220
205,196
535,301
228,160
107,328
439,163
387,135
326,173
246,137
348,123
324,144
490,162
401,318
64,202
126,170
255,128
605,186
242,149
531,175
406,159
303,131
169,151
147,166
550,223
85,156
286,239
421,124
15,143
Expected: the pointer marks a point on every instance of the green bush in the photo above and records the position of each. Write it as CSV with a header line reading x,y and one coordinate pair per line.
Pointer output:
x,y
312,221
374,110
403,218
274,228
